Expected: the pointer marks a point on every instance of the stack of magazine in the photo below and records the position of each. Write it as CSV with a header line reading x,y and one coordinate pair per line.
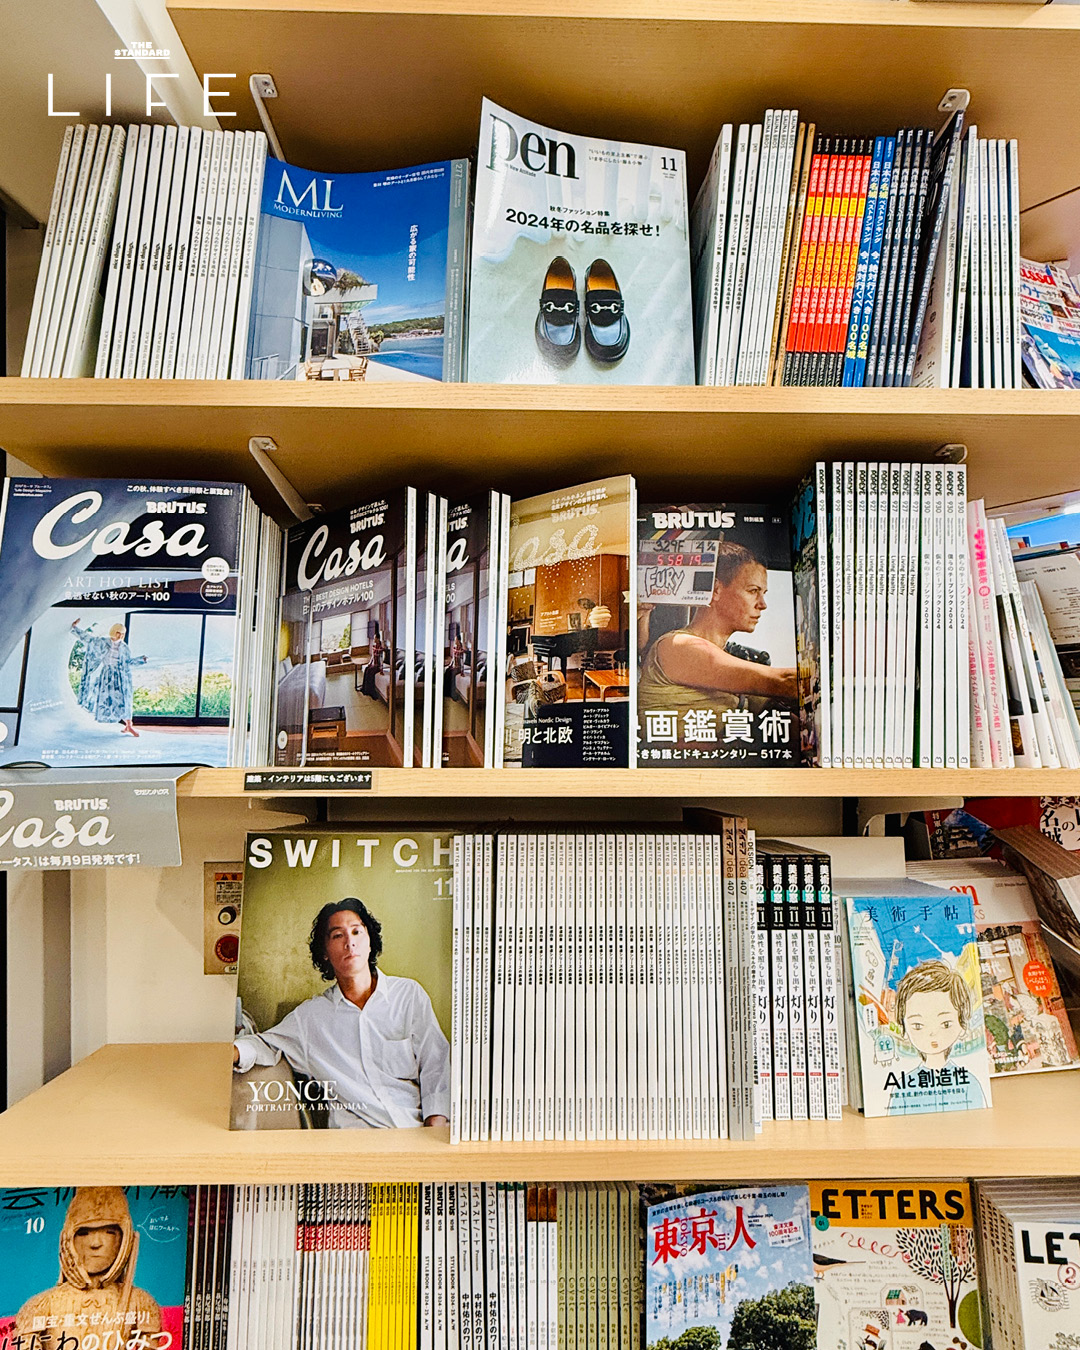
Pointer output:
x,y
138,621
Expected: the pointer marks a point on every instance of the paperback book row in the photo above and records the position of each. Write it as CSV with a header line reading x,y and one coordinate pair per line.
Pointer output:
x,y
173,252
502,1266
620,983
825,260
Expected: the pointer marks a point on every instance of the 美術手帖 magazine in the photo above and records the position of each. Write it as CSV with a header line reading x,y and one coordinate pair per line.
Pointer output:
x,y
917,988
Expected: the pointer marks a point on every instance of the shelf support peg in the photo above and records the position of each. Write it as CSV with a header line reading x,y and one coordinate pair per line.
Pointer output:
x,y
262,447
263,87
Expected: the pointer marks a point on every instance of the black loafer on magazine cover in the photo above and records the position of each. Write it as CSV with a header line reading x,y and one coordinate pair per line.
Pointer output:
x,y
558,334
607,329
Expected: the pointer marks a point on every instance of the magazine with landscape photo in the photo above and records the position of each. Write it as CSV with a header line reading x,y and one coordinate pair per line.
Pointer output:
x,y
580,267
728,1269
118,603
715,633
360,276
346,657
344,981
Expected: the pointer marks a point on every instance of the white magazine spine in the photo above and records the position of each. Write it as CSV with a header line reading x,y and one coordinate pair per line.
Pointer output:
x,y
210,322
963,618
860,570
219,364
926,589
47,243
785,166
994,222
70,287
457,994
81,349
714,256
955,686
179,210
78,163
742,262
132,234
136,317
849,569
170,181
206,206
744,354
238,362
731,253
1012,156
186,326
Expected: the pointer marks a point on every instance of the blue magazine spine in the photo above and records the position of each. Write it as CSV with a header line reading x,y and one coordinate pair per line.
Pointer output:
x,y
886,188
862,267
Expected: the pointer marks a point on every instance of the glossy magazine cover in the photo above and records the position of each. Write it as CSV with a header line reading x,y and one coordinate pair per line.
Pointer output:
x,y
894,1265
730,1268
568,689
117,621
360,276
346,657
580,259
344,981
918,998
716,679
93,1266
467,638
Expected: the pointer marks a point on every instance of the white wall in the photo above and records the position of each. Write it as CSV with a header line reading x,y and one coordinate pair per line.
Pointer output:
x,y
137,939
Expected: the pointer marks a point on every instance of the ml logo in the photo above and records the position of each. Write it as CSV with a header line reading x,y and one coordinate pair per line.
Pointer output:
x,y
323,208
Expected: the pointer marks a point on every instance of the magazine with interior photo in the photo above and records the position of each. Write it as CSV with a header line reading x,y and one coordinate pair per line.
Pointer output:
x,y
568,690
360,276
344,981
1049,326
894,1265
715,635
469,632
1027,1027
86,1266
347,643
119,621
580,268
917,992
728,1268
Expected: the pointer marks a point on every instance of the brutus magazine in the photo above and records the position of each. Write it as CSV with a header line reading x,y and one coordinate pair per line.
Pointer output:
x,y
715,637
580,259
119,603
344,981
345,673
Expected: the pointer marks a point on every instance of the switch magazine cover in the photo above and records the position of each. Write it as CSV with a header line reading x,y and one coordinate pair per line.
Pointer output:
x,y
344,981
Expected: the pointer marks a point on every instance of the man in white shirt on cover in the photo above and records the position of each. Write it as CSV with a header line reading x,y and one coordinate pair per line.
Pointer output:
x,y
371,1040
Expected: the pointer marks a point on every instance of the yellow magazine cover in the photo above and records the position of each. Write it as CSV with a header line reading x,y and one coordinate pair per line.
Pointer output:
x,y
894,1265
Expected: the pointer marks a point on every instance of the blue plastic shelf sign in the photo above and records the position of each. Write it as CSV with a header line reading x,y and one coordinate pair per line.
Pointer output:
x,y
67,819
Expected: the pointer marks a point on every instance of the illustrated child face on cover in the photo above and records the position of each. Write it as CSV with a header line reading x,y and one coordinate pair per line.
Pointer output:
x,y
933,1008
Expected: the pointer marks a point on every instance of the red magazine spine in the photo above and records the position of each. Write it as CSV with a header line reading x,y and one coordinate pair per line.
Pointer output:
x,y
804,268
851,259
825,224
827,289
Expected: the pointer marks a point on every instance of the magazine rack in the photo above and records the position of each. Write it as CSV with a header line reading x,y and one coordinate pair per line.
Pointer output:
x,y
679,68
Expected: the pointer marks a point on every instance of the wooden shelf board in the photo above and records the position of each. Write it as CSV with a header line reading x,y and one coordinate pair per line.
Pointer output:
x,y
558,784
337,442
667,72
144,1114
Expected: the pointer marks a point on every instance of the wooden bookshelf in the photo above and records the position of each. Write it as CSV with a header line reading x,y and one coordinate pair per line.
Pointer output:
x,y
688,784
337,440
365,84
140,1114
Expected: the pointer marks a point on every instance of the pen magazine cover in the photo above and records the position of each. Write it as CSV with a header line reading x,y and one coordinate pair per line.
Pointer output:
x,y
580,259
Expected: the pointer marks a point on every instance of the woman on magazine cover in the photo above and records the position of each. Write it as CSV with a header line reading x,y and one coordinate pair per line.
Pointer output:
x,y
371,1041
105,688
698,666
